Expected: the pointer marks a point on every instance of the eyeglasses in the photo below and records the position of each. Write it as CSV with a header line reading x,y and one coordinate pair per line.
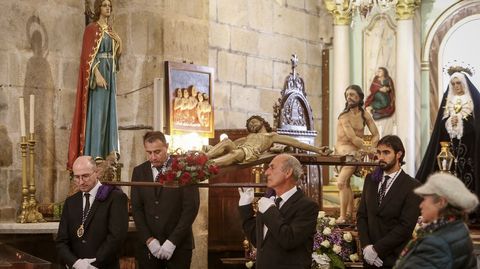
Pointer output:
x,y
455,82
83,177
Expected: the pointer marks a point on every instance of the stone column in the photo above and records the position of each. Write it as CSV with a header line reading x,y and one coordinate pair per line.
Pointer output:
x,y
405,88
342,17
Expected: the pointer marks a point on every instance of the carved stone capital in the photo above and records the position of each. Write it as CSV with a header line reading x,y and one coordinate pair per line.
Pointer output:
x,y
342,14
406,8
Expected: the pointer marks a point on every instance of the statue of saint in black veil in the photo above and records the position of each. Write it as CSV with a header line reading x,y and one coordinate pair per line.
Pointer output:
x,y
458,121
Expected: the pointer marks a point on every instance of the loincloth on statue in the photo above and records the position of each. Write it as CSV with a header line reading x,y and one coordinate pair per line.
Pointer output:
x,y
350,157
251,153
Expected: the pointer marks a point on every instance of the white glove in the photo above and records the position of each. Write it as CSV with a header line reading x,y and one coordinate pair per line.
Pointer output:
x,y
369,254
265,203
84,264
166,251
154,247
246,196
378,262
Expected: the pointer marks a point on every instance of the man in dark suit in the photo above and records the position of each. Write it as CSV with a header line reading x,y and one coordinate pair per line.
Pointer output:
x,y
283,228
94,221
163,216
388,209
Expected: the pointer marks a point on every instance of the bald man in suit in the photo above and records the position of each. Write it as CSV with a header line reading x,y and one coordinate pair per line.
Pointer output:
x,y
94,222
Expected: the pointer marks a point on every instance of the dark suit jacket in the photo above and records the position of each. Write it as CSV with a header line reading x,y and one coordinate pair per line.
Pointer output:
x,y
289,240
164,213
389,226
105,228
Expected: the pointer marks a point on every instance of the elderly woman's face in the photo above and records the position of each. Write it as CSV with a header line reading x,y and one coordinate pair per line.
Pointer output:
x,y
457,86
430,209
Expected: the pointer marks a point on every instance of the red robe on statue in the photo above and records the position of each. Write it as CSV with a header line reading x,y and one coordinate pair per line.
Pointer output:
x,y
91,42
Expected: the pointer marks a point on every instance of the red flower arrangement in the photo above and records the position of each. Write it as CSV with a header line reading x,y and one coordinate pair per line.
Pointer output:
x,y
189,168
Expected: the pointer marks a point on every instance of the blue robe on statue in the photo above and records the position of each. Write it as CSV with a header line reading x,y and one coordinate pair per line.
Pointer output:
x,y
101,132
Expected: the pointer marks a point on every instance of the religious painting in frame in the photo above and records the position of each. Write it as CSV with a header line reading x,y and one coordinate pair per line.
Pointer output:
x,y
189,90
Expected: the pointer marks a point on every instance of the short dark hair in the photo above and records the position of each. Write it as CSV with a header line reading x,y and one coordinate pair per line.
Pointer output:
x,y
395,143
154,135
265,123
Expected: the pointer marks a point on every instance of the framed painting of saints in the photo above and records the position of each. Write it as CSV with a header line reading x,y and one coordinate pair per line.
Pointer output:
x,y
189,99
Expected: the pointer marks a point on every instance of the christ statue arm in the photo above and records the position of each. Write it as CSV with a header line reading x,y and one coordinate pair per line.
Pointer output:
x,y
290,141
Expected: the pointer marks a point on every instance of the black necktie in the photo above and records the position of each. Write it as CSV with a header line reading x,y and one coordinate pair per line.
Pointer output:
x,y
277,201
157,178
87,204
383,189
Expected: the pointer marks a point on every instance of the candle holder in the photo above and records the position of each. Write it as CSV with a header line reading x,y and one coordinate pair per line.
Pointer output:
x,y
33,214
445,158
23,216
257,173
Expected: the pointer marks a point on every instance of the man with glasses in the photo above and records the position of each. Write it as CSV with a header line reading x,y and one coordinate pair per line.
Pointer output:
x,y
94,221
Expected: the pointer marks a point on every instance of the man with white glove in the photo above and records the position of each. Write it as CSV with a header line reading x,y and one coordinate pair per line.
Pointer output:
x,y
84,264
283,233
163,216
166,251
388,209
154,247
94,222
371,256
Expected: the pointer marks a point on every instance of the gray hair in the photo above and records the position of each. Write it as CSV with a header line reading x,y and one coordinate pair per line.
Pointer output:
x,y
291,162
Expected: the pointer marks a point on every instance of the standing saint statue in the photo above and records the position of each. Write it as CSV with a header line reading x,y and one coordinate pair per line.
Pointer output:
x,y
458,121
350,133
94,129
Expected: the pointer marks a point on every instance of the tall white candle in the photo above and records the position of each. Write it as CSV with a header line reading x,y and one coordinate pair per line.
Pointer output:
x,y
32,112
22,116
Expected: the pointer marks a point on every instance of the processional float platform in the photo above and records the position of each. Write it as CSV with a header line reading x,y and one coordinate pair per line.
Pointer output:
x,y
306,159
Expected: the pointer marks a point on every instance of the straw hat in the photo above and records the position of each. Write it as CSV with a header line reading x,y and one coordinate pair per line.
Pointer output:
x,y
451,188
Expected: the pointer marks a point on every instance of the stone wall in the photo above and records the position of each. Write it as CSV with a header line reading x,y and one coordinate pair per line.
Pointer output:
x,y
251,43
248,42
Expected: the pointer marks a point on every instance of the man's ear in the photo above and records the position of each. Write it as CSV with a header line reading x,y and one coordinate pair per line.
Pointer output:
x,y
289,172
399,155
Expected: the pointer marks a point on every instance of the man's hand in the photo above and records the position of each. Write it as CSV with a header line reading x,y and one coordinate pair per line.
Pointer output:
x,y
264,204
378,262
246,196
84,264
166,251
154,247
369,254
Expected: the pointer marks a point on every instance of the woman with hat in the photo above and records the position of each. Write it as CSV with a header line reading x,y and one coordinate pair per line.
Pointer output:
x,y
443,241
